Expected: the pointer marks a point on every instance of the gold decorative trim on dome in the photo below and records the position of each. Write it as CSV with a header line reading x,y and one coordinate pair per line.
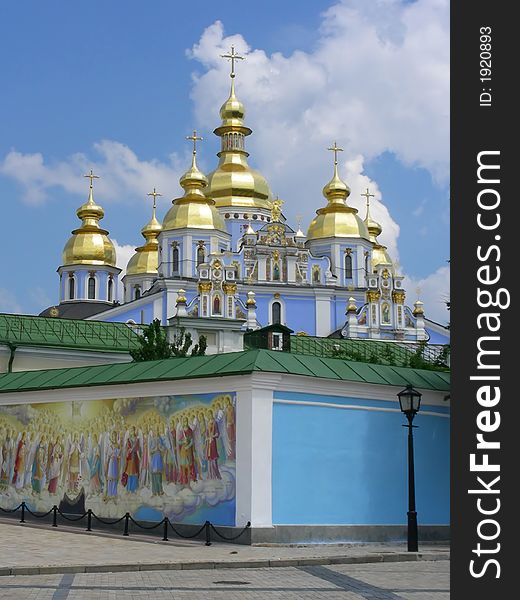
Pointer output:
x,y
89,244
337,219
380,255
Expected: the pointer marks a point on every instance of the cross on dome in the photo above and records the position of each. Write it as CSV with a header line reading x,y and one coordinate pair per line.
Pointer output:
x,y
232,56
154,194
194,138
368,195
91,176
335,149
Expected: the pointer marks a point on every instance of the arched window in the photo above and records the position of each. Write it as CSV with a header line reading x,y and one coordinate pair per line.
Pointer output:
x,y
201,255
91,292
367,258
110,291
348,266
72,288
217,306
137,292
175,260
276,313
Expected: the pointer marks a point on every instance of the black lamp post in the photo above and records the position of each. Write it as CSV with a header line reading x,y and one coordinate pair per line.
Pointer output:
x,y
410,402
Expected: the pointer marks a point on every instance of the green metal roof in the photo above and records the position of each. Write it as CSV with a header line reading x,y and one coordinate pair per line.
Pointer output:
x,y
218,365
25,330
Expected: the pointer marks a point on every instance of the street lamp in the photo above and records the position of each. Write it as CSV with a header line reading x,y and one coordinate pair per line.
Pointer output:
x,y
410,402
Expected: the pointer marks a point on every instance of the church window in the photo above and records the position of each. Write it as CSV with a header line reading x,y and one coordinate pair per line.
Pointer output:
x,y
201,255
91,292
175,261
348,266
367,258
72,288
276,313
217,306
137,292
110,292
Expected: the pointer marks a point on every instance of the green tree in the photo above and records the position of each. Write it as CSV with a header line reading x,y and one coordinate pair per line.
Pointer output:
x,y
154,345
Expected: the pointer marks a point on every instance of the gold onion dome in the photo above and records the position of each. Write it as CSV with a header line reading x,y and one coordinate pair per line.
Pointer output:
x,y
337,219
234,183
380,255
146,257
194,209
89,244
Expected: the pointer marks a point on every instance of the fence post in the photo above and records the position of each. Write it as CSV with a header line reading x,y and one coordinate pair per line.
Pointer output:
x,y
208,533
55,516
127,519
165,529
22,520
89,519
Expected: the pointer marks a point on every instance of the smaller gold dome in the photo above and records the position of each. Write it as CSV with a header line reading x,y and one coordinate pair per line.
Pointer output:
x,y
232,112
337,219
89,244
194,209
146,257
380,255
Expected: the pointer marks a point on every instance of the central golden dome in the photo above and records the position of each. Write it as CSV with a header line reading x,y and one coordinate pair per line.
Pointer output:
x,y
89,244
234,183
194,209
337,219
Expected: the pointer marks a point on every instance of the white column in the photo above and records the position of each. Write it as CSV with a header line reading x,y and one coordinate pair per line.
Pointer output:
x,y
254,454
186,268
323,327
262,261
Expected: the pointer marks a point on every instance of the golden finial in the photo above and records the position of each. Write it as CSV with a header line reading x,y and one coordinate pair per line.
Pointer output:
x,y
232,56
194,138
368,195
91,176
418,291
335,149
154,194
276,209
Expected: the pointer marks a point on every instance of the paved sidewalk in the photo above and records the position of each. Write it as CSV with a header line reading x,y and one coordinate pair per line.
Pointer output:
x,y
30,550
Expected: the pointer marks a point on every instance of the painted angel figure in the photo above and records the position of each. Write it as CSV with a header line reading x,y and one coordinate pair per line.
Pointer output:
x,y
220,419
39,468
95,465
18,479
229,411
172,463
132,460
212,435
7,458
55,463
156,451
198,426
32,446
186,455
74,463
112,465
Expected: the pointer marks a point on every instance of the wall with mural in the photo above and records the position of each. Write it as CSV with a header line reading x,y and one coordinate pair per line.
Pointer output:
x,y
159,456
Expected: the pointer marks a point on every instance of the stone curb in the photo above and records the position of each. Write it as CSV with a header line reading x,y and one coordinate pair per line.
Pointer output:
x,y
236,564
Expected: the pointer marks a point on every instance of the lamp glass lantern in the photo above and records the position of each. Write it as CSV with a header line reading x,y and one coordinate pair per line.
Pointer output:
x,y
410,401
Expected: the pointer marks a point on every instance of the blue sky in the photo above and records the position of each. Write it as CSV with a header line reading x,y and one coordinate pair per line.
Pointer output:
x,y
117,85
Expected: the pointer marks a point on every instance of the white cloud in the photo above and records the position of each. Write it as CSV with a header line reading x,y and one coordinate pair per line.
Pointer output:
x,y
124,253
122,174
434,291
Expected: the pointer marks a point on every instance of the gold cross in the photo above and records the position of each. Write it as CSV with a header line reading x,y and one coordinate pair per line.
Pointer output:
x,y
368,195
91,176
232,56
194,138
299,221
335,149
154,194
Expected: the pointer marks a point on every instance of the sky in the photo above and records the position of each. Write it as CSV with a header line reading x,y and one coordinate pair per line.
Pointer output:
x,y
116,86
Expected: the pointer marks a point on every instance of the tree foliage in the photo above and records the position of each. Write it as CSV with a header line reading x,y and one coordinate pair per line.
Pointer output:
x,y
154,344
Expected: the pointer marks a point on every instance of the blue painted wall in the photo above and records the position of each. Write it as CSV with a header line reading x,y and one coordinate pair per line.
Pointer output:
x,y
349,466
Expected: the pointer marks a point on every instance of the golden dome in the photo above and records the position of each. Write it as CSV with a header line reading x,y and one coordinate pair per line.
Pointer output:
x,y
89,244
234,183
146,258
194,209
380,255
337,219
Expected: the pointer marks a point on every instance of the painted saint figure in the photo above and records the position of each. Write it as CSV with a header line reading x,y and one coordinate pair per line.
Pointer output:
x,y
19,462
212,455
130,477
112,462
55,462
186,457
155,444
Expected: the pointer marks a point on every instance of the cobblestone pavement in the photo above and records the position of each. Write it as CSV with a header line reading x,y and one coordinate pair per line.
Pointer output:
x,y
27,550
423,580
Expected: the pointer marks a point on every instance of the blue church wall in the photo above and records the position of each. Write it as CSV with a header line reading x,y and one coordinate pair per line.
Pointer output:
x,y
139,314
437,338
301,313
349,466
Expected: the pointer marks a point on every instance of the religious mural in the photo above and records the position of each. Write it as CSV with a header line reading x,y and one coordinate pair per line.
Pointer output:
x,y
160,456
